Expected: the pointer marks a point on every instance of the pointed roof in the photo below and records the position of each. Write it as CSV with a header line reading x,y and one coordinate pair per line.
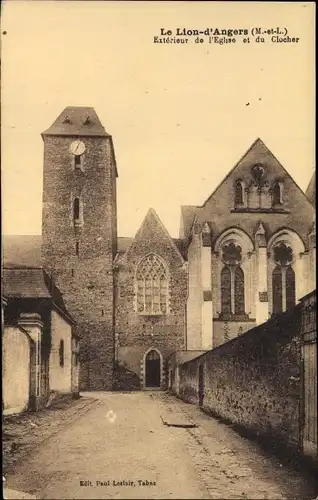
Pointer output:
x,y
311,190
78,121
153,216
188,213
257,144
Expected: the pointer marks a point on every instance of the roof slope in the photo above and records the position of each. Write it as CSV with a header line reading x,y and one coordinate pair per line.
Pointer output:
x,y
78,121
32,283
25,283
153,232
311,190
25,250
188,213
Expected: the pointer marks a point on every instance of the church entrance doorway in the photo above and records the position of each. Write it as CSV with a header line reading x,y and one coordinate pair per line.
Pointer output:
x,y
153,369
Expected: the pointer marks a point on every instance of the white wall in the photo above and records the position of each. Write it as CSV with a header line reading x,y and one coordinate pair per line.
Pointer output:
x,y
194,302
60,376
15,370
207,307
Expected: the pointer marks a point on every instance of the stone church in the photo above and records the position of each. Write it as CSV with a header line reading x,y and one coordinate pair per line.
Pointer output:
x,y
246,253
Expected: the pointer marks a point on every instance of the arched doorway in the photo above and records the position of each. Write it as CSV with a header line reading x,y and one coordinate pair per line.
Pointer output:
x,y
152,369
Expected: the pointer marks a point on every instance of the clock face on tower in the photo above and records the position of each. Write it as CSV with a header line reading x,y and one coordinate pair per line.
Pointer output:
x,y
77,148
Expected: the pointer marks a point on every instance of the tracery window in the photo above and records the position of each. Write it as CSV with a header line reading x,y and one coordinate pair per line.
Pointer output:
x,y
283,279
232,281
152,286
277,290
226,291
239,302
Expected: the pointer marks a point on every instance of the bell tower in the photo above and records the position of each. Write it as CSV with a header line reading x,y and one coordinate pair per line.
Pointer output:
x,y
79,233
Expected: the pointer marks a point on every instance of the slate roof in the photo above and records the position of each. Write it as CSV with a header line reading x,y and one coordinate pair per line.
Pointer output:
x,y
152,214
77,121
188,213
25,250
311,190
180,246
32,283
25,283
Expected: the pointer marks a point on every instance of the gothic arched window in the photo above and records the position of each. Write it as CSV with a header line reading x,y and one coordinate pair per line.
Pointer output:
x,y
290,288
239,302
277,290
277,194
226,291
152,286
283,279
239,194
232,281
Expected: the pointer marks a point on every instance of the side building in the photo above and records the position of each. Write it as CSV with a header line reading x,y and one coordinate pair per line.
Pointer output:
x,y
39,332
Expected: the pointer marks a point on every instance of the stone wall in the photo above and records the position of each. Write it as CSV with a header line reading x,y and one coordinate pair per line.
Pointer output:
x,y
136,333
252,380
227,330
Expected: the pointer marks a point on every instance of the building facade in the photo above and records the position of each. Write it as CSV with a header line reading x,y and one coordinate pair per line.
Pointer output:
x,y
247,253
250,250
39,332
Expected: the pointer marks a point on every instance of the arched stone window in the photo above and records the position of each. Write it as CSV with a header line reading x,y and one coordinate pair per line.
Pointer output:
x,y
239,301
290,288
283,279
235,298
152,286
286,270
76,209
226,291
277,290
277,193
232,281
239,194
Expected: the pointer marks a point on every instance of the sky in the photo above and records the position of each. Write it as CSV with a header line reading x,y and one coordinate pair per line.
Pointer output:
x,y
180,115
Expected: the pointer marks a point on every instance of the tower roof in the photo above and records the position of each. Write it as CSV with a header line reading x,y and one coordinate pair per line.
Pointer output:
x,y
78,121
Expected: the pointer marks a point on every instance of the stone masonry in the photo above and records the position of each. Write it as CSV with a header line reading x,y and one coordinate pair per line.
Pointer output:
x,y
80,256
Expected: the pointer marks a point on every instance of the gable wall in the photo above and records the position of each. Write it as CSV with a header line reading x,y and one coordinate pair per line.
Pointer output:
x,y
298,215
136,333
